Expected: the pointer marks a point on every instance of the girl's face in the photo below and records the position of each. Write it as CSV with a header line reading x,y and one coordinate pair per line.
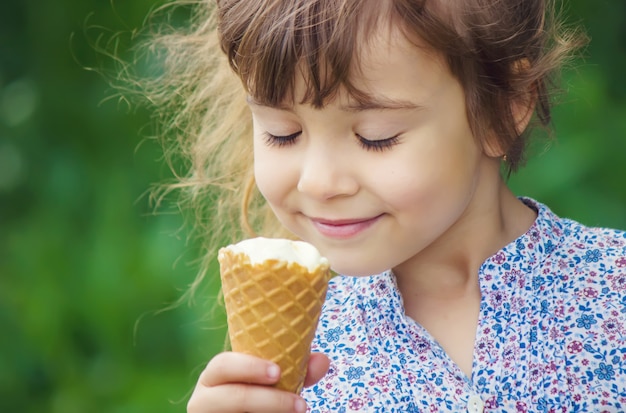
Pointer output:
x,y
376,184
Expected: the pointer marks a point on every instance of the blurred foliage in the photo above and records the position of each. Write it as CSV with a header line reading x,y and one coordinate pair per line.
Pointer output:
x,y
85,264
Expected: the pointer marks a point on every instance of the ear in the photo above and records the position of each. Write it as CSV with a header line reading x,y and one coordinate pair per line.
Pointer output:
x,y
522,109
523,106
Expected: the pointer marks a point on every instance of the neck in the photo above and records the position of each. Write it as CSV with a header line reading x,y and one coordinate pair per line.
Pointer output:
x,y
448,268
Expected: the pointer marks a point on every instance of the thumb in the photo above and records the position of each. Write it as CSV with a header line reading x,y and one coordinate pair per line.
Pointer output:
x,y
318,367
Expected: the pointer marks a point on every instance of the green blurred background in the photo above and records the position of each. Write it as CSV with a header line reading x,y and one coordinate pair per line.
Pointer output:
x,y
85,264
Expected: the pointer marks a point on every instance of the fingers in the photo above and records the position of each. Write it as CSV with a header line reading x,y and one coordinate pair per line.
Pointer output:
x,y
318,367
237,398
231,367
235,383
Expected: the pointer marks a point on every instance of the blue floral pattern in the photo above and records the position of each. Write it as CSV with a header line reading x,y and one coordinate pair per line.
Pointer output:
x,y
551,333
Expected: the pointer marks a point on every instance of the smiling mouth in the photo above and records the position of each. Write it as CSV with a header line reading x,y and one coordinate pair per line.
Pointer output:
x,y
343,228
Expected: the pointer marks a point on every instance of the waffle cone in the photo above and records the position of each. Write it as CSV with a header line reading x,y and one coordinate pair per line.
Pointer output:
x,y
272,310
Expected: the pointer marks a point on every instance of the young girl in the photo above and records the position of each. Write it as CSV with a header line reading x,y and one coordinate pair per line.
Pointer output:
x,y
378,131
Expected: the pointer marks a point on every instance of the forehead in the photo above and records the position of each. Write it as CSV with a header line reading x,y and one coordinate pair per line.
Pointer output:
x,y
388,49
388,71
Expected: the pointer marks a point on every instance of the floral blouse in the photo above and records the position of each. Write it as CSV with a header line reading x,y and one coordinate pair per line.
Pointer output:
x,y
551,334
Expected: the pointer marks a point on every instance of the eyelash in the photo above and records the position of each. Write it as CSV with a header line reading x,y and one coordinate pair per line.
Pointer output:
x,y
377,145
280,141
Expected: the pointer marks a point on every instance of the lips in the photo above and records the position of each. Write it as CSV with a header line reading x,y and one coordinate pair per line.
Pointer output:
x,y
343,228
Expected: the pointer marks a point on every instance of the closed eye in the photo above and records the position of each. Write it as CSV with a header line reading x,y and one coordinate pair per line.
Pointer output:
x,y
378,145
280,141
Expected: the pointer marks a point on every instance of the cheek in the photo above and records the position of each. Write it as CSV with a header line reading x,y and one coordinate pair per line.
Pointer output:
x,y
272,174
439,178
264,174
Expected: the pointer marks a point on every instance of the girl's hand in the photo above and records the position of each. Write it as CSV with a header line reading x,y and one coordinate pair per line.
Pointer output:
x,y
236,382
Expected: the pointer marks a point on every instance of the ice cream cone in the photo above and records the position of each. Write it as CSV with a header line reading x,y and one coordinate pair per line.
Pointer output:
x,y
273,307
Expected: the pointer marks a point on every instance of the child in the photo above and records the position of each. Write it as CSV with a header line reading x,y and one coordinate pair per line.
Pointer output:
x,y
377,131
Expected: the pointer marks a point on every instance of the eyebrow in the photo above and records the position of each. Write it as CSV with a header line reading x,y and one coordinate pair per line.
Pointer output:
x,y
379,102
372,102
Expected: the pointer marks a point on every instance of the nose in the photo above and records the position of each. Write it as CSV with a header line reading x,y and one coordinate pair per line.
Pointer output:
x,y
325,173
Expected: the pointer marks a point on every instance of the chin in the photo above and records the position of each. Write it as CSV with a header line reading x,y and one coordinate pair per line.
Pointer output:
x,y
356,271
